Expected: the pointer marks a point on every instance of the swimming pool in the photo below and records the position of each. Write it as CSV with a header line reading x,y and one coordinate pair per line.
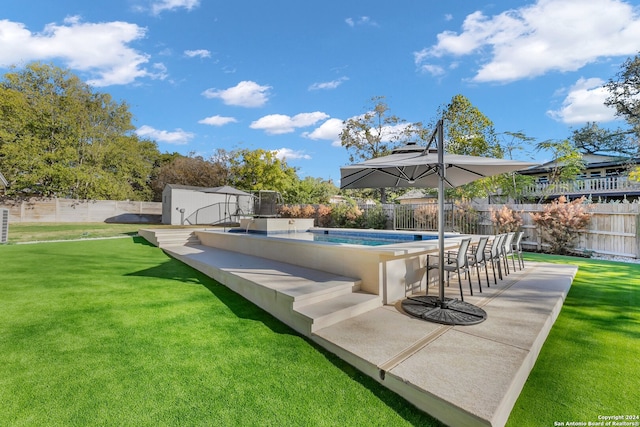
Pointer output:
x,y
355,237
387,270
366,238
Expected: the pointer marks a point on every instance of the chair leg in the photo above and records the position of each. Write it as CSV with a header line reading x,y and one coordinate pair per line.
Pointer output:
x,y
486,273
460,285
520,260
493,269
506,263
479,280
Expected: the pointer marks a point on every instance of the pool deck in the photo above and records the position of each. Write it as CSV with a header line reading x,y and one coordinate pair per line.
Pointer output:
x,y
461,375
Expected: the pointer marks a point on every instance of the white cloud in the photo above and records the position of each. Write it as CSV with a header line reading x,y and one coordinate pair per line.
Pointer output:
x,y
363,20
276,124
328,85
289,154
244,94
585,103
100,49
329,131
178,136
217,120
549,35
162,5
202,53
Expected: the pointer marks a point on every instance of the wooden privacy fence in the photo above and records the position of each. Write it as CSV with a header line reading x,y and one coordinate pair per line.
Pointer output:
x,y
74,210
614,228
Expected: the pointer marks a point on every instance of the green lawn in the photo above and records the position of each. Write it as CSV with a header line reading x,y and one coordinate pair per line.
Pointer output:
x,y
46,231
29,232
590,364
113,332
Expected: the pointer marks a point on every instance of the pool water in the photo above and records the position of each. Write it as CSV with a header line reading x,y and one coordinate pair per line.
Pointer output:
x,y
367,238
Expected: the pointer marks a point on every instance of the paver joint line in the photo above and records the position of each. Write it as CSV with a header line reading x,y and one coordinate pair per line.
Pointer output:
x,y
486,300
413,348
428,339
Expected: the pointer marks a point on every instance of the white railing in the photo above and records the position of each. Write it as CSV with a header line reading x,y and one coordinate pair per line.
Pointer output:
x,y
618,184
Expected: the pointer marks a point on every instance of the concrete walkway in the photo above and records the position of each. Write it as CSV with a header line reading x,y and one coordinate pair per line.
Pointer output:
x,y
462,375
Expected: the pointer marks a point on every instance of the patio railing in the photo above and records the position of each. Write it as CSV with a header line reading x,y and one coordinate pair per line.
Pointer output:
x,y
615,184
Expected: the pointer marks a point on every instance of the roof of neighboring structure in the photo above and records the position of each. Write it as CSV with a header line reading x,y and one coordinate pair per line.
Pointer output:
x,y
416,194
184,187
3,181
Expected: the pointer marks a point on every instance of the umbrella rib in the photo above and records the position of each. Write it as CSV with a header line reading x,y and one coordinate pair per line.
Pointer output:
x,y
467,170
369,172
427,172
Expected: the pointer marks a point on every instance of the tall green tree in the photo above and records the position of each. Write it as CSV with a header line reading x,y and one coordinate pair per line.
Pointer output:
x,y
312,190
591,139
376,133
60,138
624,92
189,170
468,131
567,161
624,96
253,170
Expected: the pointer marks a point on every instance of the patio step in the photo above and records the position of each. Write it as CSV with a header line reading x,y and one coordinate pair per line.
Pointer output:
x,y
330,311
303,298
179,237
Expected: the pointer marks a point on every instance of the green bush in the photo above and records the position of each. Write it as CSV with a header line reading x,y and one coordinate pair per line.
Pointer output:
x,y
373,218
345,215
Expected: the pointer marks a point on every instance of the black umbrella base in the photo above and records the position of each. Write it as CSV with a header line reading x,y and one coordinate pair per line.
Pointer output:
x,y
448,312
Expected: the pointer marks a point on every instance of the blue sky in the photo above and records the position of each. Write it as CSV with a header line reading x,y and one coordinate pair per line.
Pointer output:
x,y
283,75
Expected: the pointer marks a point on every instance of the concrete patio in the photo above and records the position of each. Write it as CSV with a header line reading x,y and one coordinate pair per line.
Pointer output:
x,y
462,375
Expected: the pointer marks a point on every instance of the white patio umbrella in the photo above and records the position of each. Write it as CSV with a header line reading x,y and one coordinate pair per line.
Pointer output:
x,y
414,166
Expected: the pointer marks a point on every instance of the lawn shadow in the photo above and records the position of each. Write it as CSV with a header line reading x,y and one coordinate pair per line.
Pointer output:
x,y
174,269
140,240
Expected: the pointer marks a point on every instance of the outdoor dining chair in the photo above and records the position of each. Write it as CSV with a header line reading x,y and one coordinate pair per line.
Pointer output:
x,y
507,249
455,262
516,247
478,259
494,254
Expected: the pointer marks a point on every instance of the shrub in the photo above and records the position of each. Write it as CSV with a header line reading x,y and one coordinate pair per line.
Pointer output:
x,y
297,211
561,222
464,218
426,217
308,211
373,218
345,215
506,219
324,216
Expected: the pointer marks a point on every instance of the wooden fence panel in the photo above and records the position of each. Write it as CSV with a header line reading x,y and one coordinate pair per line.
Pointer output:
x,y
614,228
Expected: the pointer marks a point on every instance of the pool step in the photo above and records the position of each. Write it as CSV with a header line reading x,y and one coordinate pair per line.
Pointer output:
x,y
303,298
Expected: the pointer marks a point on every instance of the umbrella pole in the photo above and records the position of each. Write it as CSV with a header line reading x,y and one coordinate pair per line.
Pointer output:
x,y
441,174
439,309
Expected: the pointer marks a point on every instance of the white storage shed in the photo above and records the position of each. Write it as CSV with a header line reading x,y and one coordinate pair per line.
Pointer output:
x,y
188,205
